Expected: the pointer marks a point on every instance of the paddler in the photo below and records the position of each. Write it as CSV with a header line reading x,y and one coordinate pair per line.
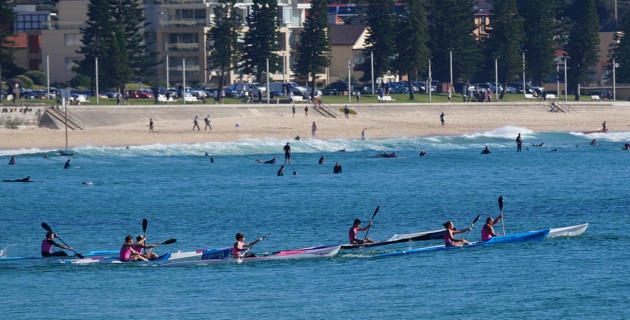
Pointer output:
x,y
449,240
239,246
127,253
140,241
487,231
352,233
48,243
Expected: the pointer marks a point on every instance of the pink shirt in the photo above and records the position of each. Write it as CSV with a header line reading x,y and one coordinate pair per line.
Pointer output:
x,y
47,246
485,235
352,234
125,253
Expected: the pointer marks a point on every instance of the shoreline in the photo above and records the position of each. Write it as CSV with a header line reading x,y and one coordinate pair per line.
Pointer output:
x,y
113,126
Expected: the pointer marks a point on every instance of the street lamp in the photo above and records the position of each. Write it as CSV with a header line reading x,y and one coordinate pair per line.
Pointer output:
x,y
372,62
96,68
496,79
524,90
450,59
429,83
565,77
614,81
47,76
349,83
184,79
168,85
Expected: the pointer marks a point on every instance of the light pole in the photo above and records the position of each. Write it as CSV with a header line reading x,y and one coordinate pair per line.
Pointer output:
x,y
450,60
614,80
496,79
372,62
565,78
184,79
96,68
47,76
349,84
524,90
429,84
558,79
168,85
267,72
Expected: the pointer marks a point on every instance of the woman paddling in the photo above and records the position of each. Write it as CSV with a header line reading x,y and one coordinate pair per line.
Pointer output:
x,y
449,240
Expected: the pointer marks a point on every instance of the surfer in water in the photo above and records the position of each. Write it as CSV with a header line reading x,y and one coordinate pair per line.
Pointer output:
x,y
486,150
594,142
626,146
538,145
423,153
321,160
12,161
27,179
67,165
272,161
337,168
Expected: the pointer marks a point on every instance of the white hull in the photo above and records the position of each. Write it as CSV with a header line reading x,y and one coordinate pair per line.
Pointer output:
x,y
282,255
571,231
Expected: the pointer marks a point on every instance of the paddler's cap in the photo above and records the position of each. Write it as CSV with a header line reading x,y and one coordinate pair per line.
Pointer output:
x,y
357,221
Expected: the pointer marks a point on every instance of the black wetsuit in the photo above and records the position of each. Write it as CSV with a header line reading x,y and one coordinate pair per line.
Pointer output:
x,y
519,143
337,169
287,154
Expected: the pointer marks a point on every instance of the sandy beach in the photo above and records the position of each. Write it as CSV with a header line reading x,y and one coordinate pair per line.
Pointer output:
x,y
129,126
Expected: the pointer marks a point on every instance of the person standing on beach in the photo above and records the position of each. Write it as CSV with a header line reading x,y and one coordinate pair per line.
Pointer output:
x,y
449,94
337,168
346,112
287,154
363,134
604,127
293,109
67,165
519,143
150,125
314,130
443,118
207,120
306,112
358,94
196,124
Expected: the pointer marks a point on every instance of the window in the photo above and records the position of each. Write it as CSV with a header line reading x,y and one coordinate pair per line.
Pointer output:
x,y
183,42
72,39
25,22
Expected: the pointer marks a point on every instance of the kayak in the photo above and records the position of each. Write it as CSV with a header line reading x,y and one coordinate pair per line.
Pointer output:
x,y
171,256
316,252
510,238
571,231
93,253
400,238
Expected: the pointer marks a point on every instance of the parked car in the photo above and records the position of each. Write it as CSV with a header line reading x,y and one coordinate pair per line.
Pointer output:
x,y
141,94
336,88
398,88
34,94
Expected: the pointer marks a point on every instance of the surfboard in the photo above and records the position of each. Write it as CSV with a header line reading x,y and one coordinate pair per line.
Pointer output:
x,y
350,111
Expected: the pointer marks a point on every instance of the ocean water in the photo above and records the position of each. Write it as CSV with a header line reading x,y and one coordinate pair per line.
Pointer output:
x,y
203,205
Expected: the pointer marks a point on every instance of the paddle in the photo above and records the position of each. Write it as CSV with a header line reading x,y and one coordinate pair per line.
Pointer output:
x,y
145,223
472,225
293,157
169,241
501,212
370,224
47,227
242,255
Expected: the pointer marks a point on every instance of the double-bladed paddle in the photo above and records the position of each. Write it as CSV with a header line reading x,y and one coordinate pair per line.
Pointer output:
x,y
242,255
501,212
47,227
472,225
370,224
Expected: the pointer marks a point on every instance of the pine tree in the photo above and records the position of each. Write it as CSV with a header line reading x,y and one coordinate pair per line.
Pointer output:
x,y
261,40
539,43
505,41
621,52
452,26
313,53
130,16
411,45
582,46
7,16
381,34
97,37
225,50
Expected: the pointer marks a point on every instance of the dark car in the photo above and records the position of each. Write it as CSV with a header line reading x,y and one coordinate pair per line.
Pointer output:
x,y
34,94
335,88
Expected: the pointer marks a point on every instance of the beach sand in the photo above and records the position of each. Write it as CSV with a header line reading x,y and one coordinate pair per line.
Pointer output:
x,y
263,122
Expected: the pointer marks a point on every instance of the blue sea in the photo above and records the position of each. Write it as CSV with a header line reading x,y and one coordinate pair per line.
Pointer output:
x,y
204,204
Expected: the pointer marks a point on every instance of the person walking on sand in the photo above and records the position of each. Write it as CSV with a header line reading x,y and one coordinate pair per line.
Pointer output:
x,y
207,120
151,126
196,124
604,127
442,118
293,110
346,112
306,112
363,134
358,94
519,143
449,94
314,130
